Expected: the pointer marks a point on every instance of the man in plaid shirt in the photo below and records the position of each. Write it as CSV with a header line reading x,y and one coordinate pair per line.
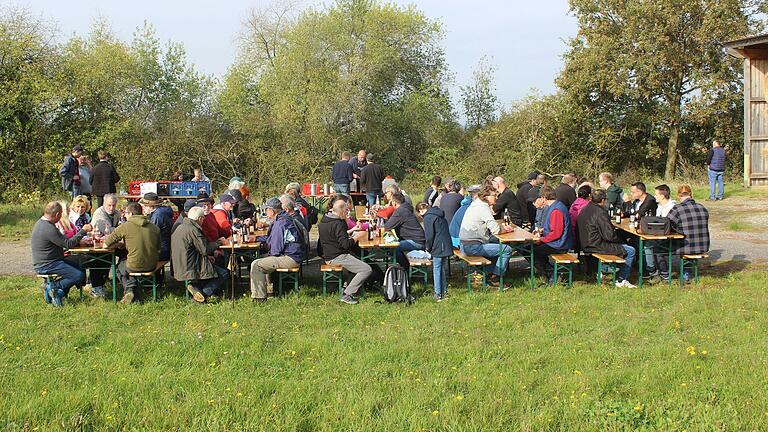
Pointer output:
x,y
690,219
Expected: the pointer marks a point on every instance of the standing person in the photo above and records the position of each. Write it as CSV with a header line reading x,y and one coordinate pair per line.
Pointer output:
x,y
199,176
371,177
506,202
557,233
597,236
451,201
84,169
438,243
566,190
142,240
357,165
193,258
407,227
433,190
478,231
162,217
660,272
338,248
613,192
283,242
48,245
70,172
690,219
103,178
342,174
715,170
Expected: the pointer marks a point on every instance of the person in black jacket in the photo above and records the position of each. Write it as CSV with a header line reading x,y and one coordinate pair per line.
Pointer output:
x,y
451,201
640,202
523,191
371,176
104,178
70,172
342,174
337,246
430,195
506,203
162,217
438,243
407,227
566,190
597,236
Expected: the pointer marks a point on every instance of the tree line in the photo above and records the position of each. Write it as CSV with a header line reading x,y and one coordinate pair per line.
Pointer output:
x,y
645,87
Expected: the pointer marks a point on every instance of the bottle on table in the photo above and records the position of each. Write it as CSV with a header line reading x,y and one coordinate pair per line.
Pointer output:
x,y
507,218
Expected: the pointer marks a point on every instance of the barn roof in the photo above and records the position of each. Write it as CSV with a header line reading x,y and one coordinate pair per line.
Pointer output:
x,y
750,47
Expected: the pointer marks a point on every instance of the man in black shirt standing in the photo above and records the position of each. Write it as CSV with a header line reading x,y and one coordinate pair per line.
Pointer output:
x,y
506,203
103,179
371,177
342,174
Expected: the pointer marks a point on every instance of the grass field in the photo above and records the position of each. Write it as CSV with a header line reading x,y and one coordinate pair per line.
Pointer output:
x,y
16,221
550,359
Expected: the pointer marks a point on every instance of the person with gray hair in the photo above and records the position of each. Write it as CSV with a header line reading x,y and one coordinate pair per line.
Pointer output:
x,y
192,257
338,248
289,206
283,245
105,219
308,213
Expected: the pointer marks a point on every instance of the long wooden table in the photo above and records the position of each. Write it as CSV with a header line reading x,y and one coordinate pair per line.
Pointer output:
x,y
670,238
361,216
519,240
370,248
103,258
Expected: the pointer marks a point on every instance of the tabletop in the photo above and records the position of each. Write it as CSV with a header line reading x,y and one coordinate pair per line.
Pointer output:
x,y
519,235
624,226
90,249
250,245
376,243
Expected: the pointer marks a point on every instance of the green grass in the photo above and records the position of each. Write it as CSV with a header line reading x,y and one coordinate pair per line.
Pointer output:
x,y
550,359
16,221
741,226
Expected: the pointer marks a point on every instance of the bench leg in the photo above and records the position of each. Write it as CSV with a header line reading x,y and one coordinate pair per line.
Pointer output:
x,y
280,285
554,276
682,270
325,284
484,281
695,273
469,280
599,273
570,276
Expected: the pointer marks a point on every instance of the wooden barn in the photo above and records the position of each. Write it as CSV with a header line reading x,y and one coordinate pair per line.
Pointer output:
x,y
754,51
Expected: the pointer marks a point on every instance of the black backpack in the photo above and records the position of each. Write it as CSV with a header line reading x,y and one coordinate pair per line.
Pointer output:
x,y
652,225
396,286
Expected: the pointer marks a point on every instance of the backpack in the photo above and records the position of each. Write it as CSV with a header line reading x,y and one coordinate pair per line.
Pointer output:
x,y
652,225
396,287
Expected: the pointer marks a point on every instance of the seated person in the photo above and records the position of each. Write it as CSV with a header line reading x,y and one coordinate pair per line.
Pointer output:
x,y
105,219
430,195
556,231
222,215
48,245
612,190
477,228
283,244
245,210
597,236
210,226
690,219
79,212
451,200
385,212
289,206
192,256
658,264
162,217
337,248
142,240
639,202
64,225
566,190
454,228
506,203
188,205
407,227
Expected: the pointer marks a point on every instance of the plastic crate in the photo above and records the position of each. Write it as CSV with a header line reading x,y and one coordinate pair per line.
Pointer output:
x,y
134,187
188,188
176,188
163,188
202,186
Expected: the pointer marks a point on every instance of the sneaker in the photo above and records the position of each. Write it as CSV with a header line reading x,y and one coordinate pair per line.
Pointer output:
x,y
47,293
348,299
197,295
57,299
625,284
98,292
438,298
127,297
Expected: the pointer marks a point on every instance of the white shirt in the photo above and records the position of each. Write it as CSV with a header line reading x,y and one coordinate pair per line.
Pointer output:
x,y
478,223
662,210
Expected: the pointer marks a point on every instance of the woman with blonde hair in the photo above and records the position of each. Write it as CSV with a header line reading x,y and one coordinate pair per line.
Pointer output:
x,y
78,211
64,225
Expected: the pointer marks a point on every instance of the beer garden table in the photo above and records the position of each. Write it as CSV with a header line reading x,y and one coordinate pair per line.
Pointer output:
x,y
624,226
370,250
99,258
521,241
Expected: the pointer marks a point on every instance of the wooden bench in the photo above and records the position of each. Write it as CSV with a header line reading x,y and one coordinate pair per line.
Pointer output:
x,y
417,267
150,278
607,259
563,265
291,274
475,264
333,273
52,277
691,261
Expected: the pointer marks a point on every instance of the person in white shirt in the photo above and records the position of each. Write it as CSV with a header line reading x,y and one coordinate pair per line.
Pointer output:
x,y
658,267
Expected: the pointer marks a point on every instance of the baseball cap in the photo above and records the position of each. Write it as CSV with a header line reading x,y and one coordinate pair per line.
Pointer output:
x,y
272,203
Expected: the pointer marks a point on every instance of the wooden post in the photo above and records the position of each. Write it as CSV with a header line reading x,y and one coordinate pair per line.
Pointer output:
x,y
747,120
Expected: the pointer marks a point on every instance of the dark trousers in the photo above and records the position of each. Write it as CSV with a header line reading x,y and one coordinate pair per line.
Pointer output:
x,y
99,200
69,273
541,255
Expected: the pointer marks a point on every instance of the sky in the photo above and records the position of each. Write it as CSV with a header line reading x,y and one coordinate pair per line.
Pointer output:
x,y
524,40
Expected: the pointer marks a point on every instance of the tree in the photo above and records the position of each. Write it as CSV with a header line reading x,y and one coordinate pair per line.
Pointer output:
x,y
479,98
638,66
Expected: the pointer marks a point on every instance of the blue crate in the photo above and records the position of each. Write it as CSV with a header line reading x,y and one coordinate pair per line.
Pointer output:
x,y
176,189
189,188
202,186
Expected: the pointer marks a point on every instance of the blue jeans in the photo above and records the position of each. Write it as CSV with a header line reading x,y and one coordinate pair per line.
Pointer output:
x,y
491,251
626,268
405,247
70,275
715,184
371,197
439,265
341,188
213,286
650,259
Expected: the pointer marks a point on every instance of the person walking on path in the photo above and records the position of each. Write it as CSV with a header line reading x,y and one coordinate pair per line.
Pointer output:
x,y
715,170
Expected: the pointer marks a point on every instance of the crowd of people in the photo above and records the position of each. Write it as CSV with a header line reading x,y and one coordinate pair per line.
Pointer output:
x,y
569,216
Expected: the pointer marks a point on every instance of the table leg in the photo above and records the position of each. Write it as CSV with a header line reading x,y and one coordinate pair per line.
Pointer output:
x,y
640,256
114,278
530,246
669,262
501,275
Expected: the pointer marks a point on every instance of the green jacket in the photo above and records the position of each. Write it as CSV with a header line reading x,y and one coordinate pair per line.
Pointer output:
x,y
189,252
142,240
614,195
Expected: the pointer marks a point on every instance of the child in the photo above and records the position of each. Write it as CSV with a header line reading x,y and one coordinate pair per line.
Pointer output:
x,y
438,243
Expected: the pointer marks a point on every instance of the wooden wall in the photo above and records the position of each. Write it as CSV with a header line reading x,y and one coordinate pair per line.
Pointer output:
x,y
755,122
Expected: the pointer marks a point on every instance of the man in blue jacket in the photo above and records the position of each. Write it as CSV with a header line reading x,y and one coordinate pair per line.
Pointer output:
x,y
70,172
455,226
715,170
162,217
283,244
342,174
438,243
